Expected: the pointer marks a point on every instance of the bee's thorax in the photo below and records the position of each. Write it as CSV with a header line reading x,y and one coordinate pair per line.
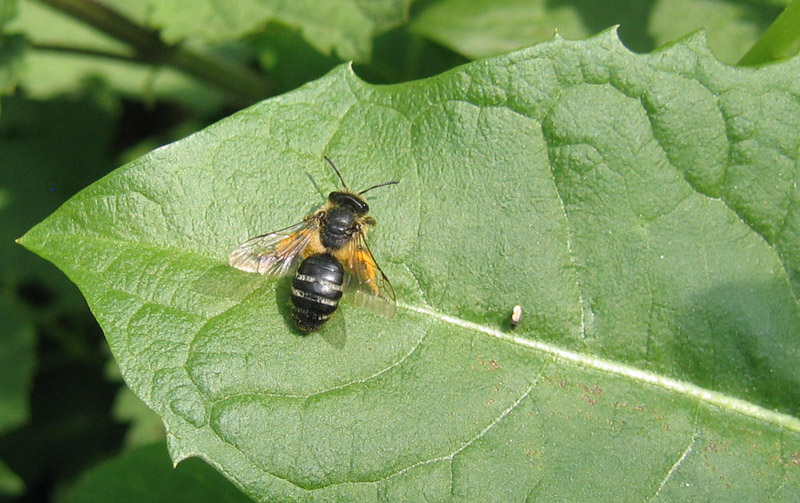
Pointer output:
x,y
337,227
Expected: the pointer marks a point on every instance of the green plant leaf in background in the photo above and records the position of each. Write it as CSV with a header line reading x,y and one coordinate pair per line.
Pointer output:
x,y
12,47
16,366
48,151
145,475
397,56
733,27
67,54
8,9
481,28
50,73
780,41
344,26
145,426
10,483
16,369
641,209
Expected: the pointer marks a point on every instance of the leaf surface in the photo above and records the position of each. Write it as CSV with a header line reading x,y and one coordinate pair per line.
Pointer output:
x,y
641,209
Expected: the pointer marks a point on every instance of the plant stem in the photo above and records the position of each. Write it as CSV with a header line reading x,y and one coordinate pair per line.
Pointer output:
x,y
85,51
781,40
149,47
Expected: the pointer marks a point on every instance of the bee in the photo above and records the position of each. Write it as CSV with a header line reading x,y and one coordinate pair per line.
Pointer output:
x,y
331,247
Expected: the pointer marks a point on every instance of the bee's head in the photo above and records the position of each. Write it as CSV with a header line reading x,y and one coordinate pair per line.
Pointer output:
x,y
348,200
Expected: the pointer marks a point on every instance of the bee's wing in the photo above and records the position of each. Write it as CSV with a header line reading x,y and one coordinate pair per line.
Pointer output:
x,y
274,254
365,284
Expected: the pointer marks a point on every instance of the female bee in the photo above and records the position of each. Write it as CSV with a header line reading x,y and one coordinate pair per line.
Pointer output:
x,y
335,259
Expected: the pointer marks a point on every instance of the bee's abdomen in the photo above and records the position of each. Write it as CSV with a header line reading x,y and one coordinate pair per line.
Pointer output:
x,y
316,290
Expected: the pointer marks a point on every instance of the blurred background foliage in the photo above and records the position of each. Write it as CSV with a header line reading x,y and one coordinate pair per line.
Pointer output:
x,y
86,86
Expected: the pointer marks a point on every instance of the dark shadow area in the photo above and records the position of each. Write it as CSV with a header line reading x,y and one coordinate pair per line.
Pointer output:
x,y
738,339
633,17
69,430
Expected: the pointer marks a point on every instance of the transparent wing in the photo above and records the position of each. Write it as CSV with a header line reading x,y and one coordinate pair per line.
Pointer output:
x,y
365,284
274,254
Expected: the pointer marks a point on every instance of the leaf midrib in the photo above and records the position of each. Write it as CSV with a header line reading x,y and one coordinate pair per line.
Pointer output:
x,y
721,400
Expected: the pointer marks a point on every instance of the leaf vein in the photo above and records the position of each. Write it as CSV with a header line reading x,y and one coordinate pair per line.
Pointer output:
x,y
686,452
721,400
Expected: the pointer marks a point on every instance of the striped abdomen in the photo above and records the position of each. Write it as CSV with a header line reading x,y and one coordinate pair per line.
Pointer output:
x,y
316,290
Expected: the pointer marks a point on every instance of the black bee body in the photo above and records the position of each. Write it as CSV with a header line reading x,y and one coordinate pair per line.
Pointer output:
x,y
339,222
328,243
317,285
316,290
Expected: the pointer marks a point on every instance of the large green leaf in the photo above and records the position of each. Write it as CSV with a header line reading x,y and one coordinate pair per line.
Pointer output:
x,y
480,28
641,209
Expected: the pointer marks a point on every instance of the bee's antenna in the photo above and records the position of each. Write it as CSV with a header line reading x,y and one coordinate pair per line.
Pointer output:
x,y
335,169
379,185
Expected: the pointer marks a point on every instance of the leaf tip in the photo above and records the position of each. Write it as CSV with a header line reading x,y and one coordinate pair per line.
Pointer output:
x,y
346,73
611,34
25,240
22,240
699,39
695,42
176,451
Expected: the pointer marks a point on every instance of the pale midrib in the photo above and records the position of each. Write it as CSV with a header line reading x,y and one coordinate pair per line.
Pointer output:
x,y
715,398
718,399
